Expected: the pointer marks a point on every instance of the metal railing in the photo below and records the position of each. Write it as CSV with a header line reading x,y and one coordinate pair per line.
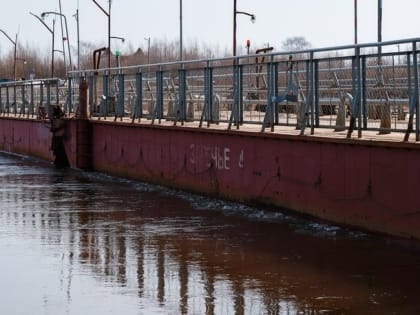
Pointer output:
x,y
356,87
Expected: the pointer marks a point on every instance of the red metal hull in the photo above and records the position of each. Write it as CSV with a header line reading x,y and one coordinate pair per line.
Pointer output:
x,y
367,184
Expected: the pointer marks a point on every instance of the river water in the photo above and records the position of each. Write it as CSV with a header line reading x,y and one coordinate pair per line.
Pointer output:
x,y
87,243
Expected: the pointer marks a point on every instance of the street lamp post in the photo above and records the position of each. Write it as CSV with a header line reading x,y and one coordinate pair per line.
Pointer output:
x,y
180,30
52,40
148,49
355,22
148,53
117,53
235,12
44,14
379,28
24,62
76,16
14,42
108,14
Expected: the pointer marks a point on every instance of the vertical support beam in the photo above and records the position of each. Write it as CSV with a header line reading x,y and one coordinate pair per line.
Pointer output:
x,y
409,81
41,107
49,108
359,95
31,102
315,96
364,94
106,102
138,109
57,91
14,98
237,107
275,82
91,87
411,99
271,96
315,103
356,86
69,99
209,87
208,95
121,97
158,111
416,102
1,101
23,100
182,96
239,96
7,100
304,115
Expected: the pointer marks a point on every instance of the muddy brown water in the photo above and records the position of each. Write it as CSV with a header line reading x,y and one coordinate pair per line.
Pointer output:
x,y
87,243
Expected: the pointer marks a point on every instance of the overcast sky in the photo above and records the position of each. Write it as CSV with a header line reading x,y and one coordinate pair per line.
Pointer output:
x,y
322,22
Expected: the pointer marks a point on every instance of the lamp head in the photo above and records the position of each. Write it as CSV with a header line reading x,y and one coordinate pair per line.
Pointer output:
x,y
43,15
253,18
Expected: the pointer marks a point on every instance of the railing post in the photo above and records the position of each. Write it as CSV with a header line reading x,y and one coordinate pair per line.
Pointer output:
x,y
138,107
271,95
7,100
92,94
315,107
416,90
119,112
23,100
41,108
304,115
69,99
237,107
314,93
14,99
1,101
182,96
356,86
49,108
413,94
57,91
106,104
208,97
275,78
364,95
31,102
158,110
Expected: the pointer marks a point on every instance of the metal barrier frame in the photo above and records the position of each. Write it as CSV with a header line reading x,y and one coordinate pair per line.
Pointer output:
x,y
302,89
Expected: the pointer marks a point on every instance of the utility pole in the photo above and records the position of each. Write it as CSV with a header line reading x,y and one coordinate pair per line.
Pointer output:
x,y
355,22
180,30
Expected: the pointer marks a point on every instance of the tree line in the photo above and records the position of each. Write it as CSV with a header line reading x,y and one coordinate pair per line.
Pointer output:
x,y
31,63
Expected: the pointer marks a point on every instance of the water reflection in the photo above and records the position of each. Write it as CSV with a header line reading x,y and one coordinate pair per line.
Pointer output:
x,y
75,243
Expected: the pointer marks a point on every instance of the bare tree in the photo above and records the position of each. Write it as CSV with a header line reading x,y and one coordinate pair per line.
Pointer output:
x,y
295,44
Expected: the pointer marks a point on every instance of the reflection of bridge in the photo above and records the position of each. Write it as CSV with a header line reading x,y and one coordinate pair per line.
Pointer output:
x,y
157,249
333,88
